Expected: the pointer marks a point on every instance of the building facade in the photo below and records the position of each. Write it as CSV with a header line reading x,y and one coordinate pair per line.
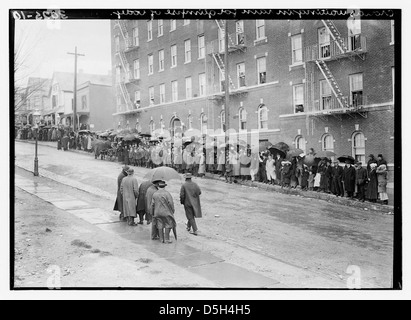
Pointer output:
x,y
322,84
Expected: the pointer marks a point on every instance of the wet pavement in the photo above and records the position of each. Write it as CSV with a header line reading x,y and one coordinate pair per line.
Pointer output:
x,y
302,237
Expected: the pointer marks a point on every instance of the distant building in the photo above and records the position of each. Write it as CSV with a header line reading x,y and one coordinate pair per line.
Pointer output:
x,y
308,83
96,89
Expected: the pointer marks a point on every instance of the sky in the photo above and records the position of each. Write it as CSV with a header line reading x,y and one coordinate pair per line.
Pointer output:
x,y
45,46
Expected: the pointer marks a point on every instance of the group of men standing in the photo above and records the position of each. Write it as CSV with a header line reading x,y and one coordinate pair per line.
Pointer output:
x,y
151,201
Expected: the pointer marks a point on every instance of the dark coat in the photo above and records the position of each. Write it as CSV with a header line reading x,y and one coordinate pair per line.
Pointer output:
x,y
118,205
372,188
361,176
142,191
190,197
349,179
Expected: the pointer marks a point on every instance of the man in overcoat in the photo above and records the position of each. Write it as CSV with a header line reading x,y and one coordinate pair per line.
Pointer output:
x,y
141,202
361,178
118,205
190,198
349,179
129,190
162,210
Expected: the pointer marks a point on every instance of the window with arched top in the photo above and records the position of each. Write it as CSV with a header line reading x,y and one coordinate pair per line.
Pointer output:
x,y
222,120
152,126
242,116
300,143
203,123
328,143
358,146
262,117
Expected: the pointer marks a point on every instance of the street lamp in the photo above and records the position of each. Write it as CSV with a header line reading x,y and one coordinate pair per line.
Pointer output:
x,y
37,115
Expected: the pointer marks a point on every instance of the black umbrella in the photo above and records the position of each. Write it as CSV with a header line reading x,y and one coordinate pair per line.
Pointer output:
x,y
264,145
345,158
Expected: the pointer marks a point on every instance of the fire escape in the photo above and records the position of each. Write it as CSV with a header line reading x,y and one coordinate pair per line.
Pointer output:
x,y
338,48
236,43
124,77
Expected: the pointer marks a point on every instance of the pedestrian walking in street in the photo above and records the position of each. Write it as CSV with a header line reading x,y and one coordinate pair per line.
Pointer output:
x,y
141,202
162,210
349,179
129,190
149,197
360,180
382,177
118,205
190,198
372,187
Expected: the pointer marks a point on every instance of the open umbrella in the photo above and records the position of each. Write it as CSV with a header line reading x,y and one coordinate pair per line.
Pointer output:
x,y
294,153
104,134
345,158
146,135
83,131
162,173
264,145
325,154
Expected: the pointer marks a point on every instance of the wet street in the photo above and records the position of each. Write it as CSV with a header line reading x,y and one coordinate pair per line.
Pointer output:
x,y
248,237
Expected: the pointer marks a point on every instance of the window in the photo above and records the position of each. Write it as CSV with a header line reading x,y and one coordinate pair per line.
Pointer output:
x,y
83,102
203,123
161,60
118,74
136,68
173,56
242,115
162,93
358,147
188,88
202,84
222,81
222,119
150,64
190,121
173,25
325,92
151,95
324,42
135,37
221,37
298,98
201,47
354,32
174,91
241,75
328,143
392,32
261,70
296,48
152,127
149,30
160,27
262,117
260,28
128,72
162,126
239,32
356,93
137,98
54,101
186,22
117,43
187,51
300,143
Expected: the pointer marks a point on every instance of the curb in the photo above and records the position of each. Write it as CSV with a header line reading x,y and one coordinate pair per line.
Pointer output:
x,y
385,209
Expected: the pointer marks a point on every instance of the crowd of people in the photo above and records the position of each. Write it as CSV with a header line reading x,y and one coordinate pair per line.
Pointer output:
x,y
150,201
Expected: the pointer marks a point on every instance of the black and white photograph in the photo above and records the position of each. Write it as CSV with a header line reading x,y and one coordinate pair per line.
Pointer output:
x,y
186,150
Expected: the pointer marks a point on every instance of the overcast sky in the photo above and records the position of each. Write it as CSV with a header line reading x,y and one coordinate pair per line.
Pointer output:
x,y
45,46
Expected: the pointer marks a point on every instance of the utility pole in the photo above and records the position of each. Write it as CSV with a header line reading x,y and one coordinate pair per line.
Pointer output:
x,y
75,88
227,84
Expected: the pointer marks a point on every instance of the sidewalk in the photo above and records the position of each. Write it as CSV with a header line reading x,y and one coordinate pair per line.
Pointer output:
x,y
386,209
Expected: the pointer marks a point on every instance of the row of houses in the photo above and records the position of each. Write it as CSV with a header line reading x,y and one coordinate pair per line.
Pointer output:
x,y
53,100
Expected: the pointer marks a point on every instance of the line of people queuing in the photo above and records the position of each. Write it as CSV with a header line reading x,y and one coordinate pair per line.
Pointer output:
x,y
150,201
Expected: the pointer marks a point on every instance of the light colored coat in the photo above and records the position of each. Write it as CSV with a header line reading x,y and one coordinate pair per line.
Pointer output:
x,y
129,190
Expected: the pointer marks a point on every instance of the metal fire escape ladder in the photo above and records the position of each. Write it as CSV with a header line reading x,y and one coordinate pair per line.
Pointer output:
x,y
124,33
221,67
332,83
221,26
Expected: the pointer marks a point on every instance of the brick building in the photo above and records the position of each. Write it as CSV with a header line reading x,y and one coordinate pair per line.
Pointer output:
x,y
325,84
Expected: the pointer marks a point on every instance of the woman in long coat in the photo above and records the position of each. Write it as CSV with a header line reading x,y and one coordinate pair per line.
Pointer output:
x,y
382,183
129,190
372,188
118,205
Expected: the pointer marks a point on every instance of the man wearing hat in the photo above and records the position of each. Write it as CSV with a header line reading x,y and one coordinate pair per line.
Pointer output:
x,y
162,210
360,179
118,205
141,202
129,190
190,198
349,179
